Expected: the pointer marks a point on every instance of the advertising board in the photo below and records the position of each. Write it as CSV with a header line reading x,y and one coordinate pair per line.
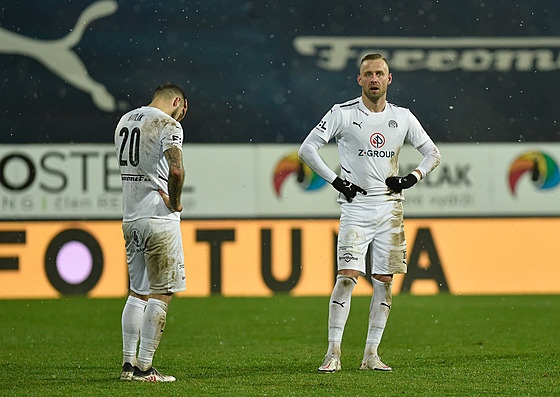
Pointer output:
x,y
82,181
264,257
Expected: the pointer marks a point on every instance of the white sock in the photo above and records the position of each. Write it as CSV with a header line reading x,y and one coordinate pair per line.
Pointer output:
x,y
339,308
152,327
379,309
132,315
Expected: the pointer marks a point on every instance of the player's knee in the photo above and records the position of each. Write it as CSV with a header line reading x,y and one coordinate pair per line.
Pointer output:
x,y
349,272
347,280
384,278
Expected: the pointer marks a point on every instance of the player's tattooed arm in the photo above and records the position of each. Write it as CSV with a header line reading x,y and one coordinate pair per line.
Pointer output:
x,y
175,179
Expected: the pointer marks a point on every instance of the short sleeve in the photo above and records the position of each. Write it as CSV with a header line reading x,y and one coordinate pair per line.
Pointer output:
x,y
172,137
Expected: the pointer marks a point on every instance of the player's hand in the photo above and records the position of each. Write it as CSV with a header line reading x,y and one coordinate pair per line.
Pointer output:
x,y
398,183
347,188
167,202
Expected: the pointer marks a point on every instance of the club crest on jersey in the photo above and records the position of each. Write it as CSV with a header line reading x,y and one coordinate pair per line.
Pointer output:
x,y
393,124
377,140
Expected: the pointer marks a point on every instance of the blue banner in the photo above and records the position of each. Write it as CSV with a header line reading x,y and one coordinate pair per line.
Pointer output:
x,y
266,71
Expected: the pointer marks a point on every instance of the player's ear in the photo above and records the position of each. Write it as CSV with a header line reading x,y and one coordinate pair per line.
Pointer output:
x,y
359,80
176,102
390,79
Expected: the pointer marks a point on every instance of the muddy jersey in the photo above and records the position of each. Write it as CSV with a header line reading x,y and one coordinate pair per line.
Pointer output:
x,y
369,143
141,137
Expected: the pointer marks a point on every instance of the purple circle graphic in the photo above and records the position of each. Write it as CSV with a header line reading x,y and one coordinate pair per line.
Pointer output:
x,y
74,262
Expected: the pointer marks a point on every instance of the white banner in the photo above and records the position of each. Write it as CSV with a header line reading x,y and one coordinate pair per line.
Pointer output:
x,y
436,54
81,181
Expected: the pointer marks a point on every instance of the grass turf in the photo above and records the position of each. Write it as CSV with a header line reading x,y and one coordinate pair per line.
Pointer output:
x,y
437,345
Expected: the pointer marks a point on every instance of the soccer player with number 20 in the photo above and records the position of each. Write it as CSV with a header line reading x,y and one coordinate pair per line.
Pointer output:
x,y
148,143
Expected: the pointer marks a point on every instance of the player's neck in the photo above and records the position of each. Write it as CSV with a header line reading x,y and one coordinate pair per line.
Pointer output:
x,y
161,105
377,106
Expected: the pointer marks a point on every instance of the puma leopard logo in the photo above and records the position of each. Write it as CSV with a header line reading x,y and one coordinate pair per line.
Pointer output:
x,y
57,56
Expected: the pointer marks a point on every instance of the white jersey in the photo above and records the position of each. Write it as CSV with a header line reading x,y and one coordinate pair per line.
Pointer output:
x,y
369,143
141,137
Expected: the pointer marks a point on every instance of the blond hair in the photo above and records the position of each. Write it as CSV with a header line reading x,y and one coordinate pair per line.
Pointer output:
x,y
373,57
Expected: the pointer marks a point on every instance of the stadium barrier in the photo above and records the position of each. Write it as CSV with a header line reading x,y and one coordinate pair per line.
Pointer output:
x,y
263,257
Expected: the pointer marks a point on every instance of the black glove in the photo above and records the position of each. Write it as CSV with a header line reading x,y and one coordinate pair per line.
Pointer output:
x,y
398,183
347,188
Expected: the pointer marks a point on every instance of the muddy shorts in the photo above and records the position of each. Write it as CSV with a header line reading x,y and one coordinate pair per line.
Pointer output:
x,y
154,252
377,226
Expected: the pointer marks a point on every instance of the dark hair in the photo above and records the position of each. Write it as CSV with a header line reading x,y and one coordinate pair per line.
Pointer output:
x,y
169,89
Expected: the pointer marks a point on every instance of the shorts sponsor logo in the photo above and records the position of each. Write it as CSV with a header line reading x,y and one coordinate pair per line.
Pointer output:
x,y
137,240
347,257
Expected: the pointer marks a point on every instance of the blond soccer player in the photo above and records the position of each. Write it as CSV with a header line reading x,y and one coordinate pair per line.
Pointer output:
x,y
370,133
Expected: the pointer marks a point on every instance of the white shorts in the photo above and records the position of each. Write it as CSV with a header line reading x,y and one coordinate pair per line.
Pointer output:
x,y
375,225
154,253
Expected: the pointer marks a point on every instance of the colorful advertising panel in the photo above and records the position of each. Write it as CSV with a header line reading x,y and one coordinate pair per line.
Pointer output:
x,y
264,257
82,181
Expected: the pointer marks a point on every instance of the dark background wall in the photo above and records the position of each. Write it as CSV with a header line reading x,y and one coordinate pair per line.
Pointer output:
x,y
245,81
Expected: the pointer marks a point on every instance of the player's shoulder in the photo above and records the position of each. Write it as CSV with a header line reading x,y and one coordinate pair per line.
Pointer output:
x,y
352,104
399,111
345,107
128,114
160,117
398,108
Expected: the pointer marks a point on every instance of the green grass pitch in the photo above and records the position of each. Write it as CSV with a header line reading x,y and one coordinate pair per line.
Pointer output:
x,y
437,345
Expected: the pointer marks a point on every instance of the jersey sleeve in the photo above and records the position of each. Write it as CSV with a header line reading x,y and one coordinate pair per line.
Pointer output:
x,y
309,153
431,160
172,136
422,142
330,124
416,135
